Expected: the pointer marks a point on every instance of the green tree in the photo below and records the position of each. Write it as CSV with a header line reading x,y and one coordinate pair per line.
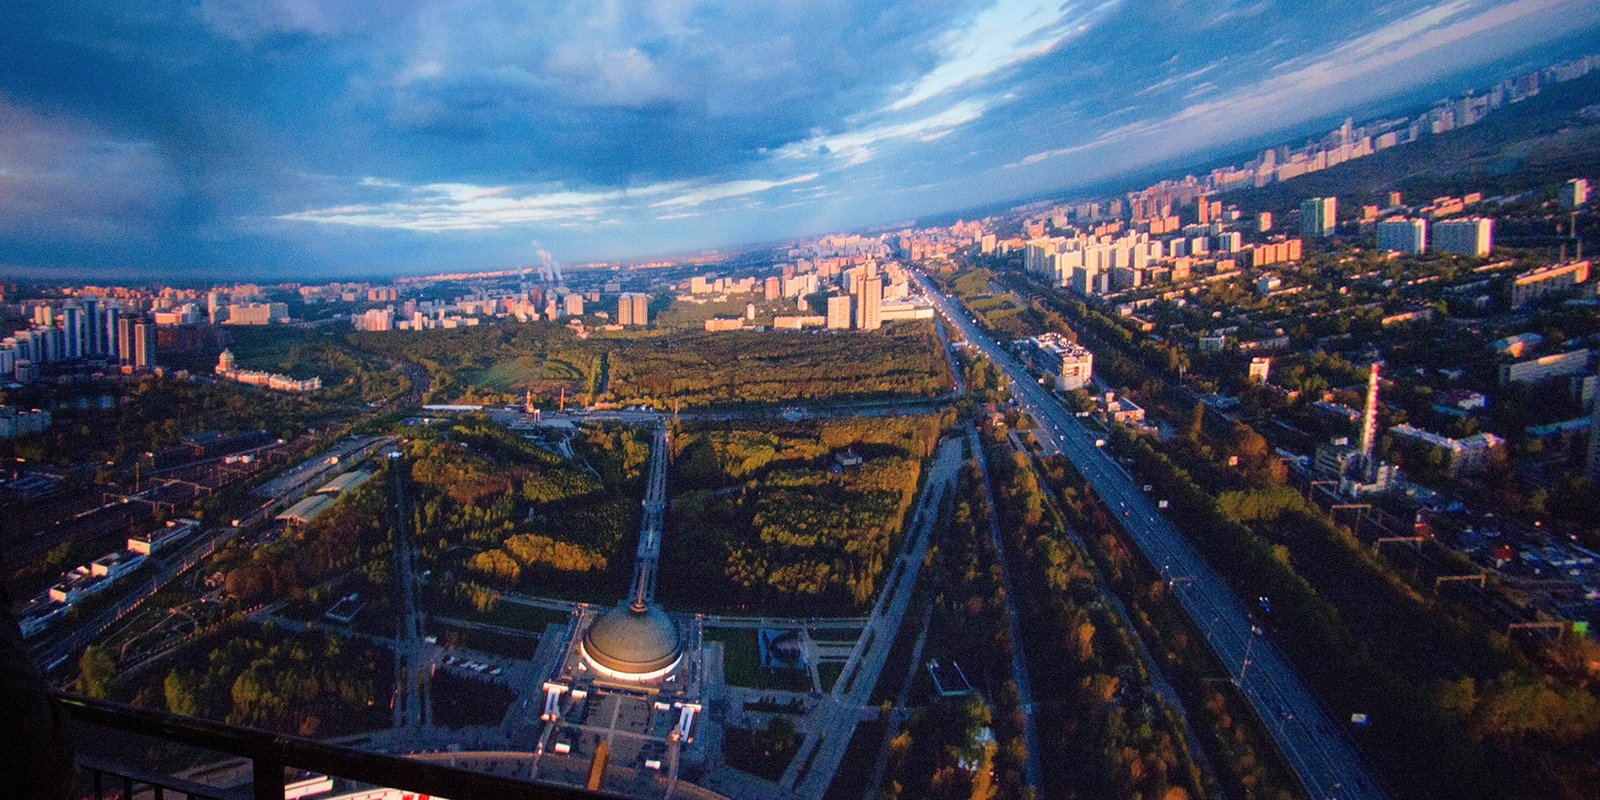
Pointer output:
x,y
182,691
96,672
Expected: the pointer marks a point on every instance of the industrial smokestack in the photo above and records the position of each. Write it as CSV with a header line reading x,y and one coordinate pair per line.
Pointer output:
x,y
1369,428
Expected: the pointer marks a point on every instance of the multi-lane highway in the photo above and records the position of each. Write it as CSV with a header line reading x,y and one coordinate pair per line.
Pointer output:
x,y
1314,748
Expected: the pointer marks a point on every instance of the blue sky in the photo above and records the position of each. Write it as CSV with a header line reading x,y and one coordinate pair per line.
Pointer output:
x,y
319,138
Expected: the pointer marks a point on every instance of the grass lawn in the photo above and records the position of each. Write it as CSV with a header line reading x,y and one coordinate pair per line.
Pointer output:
x,y
835,634
526,370
484,641
743,749
505,614
741,663
829,672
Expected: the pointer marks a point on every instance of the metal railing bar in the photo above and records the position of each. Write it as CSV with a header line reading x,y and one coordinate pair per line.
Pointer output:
x,y
292,751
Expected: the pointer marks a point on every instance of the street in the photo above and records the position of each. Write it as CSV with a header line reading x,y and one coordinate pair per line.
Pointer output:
x,y
1322,758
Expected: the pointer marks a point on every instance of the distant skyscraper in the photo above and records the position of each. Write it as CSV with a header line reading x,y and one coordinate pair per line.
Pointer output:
x,y
125,352
1264,221
839,312
572,305
144,344
1409,236
112,318
869,304
772,288
93,327
72,328
1317,216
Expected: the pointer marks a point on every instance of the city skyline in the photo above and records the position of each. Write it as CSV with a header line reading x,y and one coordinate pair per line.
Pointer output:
x,y
302,140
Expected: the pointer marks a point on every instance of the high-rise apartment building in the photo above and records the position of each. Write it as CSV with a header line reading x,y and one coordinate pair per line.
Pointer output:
x,y
633,309
1472,237
144,344
1318,216
1575,193
839,312
374,319
94,337
72,328
112,317
869,305
215,311
1409,236
125,340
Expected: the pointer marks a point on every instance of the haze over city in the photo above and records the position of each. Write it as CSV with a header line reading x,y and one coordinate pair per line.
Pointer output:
x,y
293,140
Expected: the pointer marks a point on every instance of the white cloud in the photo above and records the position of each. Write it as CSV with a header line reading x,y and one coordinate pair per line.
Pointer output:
x,y
722,191
443,207
858,146
1006,33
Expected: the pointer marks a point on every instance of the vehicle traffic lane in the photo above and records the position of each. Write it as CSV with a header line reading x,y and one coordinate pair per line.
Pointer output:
x,y
1325,763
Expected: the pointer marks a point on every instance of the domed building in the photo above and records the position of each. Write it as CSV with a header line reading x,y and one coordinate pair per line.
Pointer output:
x,y
633,642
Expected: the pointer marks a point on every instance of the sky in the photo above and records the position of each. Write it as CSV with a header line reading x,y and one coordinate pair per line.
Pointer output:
x,y
313,139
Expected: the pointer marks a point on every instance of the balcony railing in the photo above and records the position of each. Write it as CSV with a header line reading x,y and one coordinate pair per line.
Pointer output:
x,y
268,755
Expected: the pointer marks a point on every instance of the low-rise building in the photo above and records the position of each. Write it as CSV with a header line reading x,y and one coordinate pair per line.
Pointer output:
x,y
1555,365
1121,410
112,566
16,422
1466,456
795,322
154,541
1544,281
724,324
78,584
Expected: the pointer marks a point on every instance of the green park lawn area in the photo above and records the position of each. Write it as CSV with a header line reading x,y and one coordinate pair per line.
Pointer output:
x,y
741,663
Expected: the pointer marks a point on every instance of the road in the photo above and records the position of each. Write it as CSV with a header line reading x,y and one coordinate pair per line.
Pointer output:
x,y
647,560
1325,762
413,658
820,753
1019,663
